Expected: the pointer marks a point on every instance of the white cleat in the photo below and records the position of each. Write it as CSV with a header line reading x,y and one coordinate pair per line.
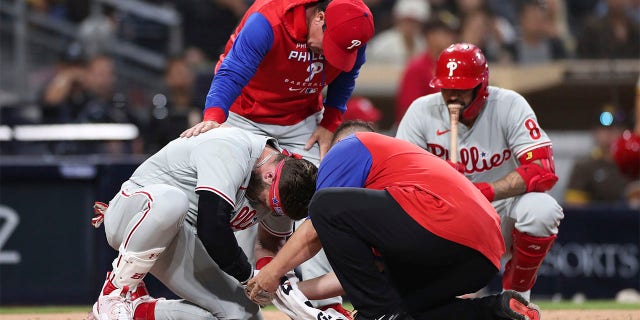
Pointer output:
x,y
113,306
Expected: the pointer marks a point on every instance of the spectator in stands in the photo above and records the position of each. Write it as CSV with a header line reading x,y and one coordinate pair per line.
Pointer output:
x,y
560,28
404,40
438,35
579,10
493,35
535,43
507,9
97,32
104,104
176,110
86,95
361,108
613,35
597,179
63,95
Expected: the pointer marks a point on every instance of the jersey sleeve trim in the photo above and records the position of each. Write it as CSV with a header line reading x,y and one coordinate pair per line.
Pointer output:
x,y
218,192
533,147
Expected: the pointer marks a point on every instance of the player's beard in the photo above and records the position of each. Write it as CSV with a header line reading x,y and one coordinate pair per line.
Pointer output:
x,y
254,189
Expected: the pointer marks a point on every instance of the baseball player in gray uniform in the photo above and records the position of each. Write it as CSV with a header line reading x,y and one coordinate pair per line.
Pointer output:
x,y
501,148
221,181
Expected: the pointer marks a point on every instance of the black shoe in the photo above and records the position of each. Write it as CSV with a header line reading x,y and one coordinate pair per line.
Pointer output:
x,y
512,305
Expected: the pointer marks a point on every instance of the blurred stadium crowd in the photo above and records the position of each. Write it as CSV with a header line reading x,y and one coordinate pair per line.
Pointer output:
x,y
150,63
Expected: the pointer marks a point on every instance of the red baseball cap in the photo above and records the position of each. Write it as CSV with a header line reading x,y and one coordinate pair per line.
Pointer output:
x,y
349,27
361,108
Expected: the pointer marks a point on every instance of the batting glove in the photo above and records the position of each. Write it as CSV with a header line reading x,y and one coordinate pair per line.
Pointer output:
x,y
99,209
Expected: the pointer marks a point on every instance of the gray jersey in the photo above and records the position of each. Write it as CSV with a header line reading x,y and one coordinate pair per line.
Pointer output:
x,y
505,129
219,161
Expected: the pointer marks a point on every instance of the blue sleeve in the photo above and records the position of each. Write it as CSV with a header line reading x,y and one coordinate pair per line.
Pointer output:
x,y
341,88
238,67
347,164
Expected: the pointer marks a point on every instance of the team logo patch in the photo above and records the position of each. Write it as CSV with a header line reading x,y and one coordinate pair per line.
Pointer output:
x,y
354,43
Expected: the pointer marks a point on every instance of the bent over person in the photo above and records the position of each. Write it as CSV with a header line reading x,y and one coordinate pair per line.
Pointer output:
x,y
270,77
502,150
437,236
175,218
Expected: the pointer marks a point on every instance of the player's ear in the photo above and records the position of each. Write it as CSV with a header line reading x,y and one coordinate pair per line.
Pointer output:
x,y
269,174
319,17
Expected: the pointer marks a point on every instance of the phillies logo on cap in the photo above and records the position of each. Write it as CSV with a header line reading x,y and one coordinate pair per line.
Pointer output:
x,y
354,43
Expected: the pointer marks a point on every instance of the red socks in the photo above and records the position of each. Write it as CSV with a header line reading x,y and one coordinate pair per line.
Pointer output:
x,y
527,254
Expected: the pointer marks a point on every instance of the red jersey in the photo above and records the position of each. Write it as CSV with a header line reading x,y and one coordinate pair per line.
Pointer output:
x,y
434,194
284,80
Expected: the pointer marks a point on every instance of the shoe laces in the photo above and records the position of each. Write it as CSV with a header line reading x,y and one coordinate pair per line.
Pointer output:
x,y
119,305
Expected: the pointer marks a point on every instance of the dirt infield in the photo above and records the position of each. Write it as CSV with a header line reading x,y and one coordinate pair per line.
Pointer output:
x,y
275,315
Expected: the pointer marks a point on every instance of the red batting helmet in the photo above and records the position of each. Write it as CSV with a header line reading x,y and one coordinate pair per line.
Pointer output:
x,y
462,66
626,153
361,108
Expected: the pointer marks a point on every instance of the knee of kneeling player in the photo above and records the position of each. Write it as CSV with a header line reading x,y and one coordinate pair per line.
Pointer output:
x,y
542,223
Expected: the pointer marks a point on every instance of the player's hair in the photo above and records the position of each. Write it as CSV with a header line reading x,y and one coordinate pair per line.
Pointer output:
x,y
348,127
297,185
321,4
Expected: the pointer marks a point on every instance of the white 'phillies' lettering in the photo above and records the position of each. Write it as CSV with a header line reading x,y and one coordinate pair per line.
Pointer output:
x,y
471,158
452,65
304,56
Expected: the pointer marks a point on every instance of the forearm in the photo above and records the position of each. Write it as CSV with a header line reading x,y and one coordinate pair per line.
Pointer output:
x,y
512,184
323,287
509,186
303,244
58,90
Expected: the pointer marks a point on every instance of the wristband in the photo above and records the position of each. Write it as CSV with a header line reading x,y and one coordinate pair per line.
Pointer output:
x,y
263,262
486,189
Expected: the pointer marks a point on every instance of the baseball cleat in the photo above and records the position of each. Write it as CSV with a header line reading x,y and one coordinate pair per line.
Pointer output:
x,y
113,306
513,306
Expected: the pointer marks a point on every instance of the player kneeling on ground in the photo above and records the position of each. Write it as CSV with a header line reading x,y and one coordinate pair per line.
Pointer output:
x,y
502,150
175,217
